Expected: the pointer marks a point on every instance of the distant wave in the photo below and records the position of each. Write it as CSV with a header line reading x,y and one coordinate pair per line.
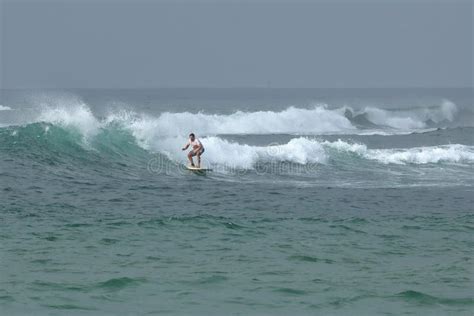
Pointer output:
x,y
301,121
453,153
316,120
422,298
5,108
415,118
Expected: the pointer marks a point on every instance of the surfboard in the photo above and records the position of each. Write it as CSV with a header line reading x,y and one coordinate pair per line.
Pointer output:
x,y
197,169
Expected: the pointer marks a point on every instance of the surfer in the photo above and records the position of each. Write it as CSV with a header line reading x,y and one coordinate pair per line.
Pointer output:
x,y
197,149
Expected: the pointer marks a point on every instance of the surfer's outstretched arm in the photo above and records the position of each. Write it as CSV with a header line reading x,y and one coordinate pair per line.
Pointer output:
x,y
185,147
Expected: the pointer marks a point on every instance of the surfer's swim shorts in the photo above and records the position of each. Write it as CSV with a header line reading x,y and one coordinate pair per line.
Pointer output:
x,y
194,154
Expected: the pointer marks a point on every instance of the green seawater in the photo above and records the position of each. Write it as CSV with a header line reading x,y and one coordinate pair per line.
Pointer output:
x,y
98,215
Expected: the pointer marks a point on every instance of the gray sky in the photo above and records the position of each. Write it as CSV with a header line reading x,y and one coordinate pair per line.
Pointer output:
x,y
137,44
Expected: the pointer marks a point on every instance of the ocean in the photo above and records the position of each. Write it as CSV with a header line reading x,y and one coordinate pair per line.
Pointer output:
x,y
319,202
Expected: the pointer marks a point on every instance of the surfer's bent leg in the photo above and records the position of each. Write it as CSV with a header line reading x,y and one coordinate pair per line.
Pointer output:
x,y
190,157
199,157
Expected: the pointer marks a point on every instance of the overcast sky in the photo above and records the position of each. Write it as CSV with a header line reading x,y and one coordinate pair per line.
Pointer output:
x,y
137,44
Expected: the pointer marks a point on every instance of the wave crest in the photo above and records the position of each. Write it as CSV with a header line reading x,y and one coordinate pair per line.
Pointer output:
x,y
410,119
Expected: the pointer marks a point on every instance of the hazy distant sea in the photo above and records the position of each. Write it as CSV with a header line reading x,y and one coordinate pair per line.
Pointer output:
x,y
320,202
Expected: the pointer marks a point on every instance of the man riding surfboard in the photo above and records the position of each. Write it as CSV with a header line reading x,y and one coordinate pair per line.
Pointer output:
x,y
197,149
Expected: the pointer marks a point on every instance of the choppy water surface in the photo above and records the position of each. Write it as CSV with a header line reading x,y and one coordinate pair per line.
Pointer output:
x,y
319,202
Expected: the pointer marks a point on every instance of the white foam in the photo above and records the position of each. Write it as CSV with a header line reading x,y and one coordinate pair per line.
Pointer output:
x,y
340,145
219,151
392,132
385,118
5,108
78,116
303,150
166,132
454,153
289,121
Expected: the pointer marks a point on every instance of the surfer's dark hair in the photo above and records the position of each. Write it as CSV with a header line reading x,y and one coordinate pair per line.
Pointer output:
x,y
192,134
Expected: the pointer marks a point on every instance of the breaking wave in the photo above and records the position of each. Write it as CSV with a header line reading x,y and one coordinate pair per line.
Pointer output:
x,y
114,143
125,132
